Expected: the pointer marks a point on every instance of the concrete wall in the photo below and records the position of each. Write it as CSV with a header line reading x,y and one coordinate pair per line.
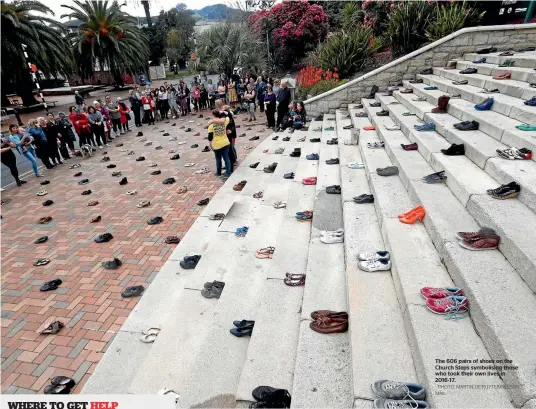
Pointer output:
x,y
435,54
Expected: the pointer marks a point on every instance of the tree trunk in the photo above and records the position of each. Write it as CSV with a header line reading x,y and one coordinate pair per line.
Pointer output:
x,y
147,12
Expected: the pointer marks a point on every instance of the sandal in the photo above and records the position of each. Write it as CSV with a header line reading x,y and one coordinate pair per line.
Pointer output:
x,y
280,205
295,281
132,192
266,252
258,195
217,216
41,262
356,165
42,193
45,220
76,165
241,231
148,338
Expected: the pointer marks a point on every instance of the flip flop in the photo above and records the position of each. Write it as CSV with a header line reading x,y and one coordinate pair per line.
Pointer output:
x,y
356,165
266,252
293,282
258,195
41,262
148,338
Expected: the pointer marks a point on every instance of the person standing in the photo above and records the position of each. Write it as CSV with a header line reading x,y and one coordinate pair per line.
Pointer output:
x,y
106,119
63,142
283,101
53,139
184,94
124,110
115,115
197,97
249,97
79,101
260,90
81,126
23,141
147,109
163,104
203,101
135,105
173,104
97,126
40,141
211,90
219,143
10,160
66,130
221,90
233,95
270,105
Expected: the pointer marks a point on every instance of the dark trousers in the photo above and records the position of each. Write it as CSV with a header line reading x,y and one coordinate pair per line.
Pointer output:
x,y
9,159
53,151
223,153
63,149
41,152
149,116
281,112
261,102
270,116
98,131
116,123
85,138
137,115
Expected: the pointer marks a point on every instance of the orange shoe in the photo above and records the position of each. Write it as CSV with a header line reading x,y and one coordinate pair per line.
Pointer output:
x,y
411,219
369,128
418,208
504,76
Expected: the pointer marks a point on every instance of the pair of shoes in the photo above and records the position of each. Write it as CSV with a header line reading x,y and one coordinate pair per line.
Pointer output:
x,y
413,215
155,220
172,240
313,156
438,177
356,165
213,289
454,150
508,191
267,252
190,262
270,168
254,165
407,91
401,395
289,175
239,186
53,328
134,291
507,63
376,145
383,112
104,238
427,126
329,322
241,231
411,147
334,190
487,50
51,285
467,126
387,171
294,280
480,61
514,153
60,385
306,215
296,153
242,328
331,237
364,198
333,141
203,202
112,265
469,71
376,261
505,76
530,102
484,239
334,161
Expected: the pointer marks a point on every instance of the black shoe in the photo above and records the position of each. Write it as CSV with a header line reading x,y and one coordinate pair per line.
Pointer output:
x,y
190,262
168,181
269,394
203,202
469,71
286,139
270,168
508,191
165,134
111,166
41,240
333,190
155,220
156,172
86,192
105,159
427,71
48,202
416,81
51,285
487,50
118,145
140,133
206,149
373,92
83,182
467,126
289,175
383,112
133,291
295,154
53,328
141,158
175,157
112,265
104,238
313,140
254,165
364,199
454,150
375,104
44,182
254,138
275,138
194,146
334,161
123,181
348,126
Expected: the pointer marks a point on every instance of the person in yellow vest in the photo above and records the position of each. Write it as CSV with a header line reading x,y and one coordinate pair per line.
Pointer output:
x,y
219,142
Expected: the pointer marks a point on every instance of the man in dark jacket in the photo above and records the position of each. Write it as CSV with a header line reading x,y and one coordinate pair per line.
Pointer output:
x,y
283,101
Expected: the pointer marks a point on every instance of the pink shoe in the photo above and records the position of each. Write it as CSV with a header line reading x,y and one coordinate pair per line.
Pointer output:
x,y
431,292
452,304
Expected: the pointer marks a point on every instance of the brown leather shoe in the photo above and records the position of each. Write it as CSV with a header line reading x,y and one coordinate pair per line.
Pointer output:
x,y
327,325
239,186
327,313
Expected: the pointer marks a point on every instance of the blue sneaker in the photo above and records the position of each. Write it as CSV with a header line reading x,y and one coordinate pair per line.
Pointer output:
x,y
479,61
531,102
486,105
431,88
313,156
427,126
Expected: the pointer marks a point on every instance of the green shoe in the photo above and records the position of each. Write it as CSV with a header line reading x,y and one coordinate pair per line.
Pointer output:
x,y
409,113
525,127
329,128
507,63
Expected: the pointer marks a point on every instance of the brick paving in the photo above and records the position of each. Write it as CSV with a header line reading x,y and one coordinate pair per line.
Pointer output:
x,y
89,302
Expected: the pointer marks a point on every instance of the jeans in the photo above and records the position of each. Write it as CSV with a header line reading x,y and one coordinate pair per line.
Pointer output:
x,y
223,153
251,110
30,155
116,123
297,125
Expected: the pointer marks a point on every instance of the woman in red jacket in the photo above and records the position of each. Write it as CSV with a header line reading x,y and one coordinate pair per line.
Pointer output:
x,y
81,125
125,116
148,107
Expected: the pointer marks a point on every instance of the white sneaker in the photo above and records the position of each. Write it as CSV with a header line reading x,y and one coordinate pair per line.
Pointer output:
x,y
374,256
42,193
132,192
108,145
330,239
356,165
382,264
394,127
337,232
101,147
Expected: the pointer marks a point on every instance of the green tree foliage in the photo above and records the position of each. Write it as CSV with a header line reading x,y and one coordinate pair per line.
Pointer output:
x,y
107,39
45,42
452,17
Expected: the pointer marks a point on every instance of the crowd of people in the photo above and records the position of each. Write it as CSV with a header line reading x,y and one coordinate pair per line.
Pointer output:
x,y
52,139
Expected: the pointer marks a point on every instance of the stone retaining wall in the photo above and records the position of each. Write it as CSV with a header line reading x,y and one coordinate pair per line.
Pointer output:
x,y
436,54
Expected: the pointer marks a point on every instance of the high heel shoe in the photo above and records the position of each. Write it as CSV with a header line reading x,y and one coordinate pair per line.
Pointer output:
x,y
413,217
418,208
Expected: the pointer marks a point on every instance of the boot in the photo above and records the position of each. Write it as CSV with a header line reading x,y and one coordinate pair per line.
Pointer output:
x,y
442,103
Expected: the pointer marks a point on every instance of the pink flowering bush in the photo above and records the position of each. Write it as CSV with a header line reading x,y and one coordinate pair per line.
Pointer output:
x,y
293,27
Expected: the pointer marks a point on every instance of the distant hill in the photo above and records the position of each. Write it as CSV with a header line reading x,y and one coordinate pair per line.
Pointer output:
x,y
216,12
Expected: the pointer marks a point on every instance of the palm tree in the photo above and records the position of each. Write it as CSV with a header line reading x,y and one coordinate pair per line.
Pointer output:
x,y
44,41
107,39
228,45
145,4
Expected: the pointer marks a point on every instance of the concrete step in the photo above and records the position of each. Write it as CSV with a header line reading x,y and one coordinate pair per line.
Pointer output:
x,y
518,73
504,104
479,273
518,89
322,376
526,59
479,148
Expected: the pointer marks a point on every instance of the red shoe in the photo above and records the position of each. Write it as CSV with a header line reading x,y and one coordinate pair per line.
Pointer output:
x,y
418,215
265,151
197,134
505,76
417,209
431,292
453,304
309,181
369,128
484,243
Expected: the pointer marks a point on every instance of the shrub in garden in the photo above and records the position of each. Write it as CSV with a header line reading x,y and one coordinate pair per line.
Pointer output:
x,y
312,81
452,17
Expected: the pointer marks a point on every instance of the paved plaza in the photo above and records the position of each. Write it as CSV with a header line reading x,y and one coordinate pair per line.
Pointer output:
x,y
89,302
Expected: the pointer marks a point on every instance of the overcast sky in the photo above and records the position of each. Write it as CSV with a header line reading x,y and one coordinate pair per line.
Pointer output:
x,y
134,7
